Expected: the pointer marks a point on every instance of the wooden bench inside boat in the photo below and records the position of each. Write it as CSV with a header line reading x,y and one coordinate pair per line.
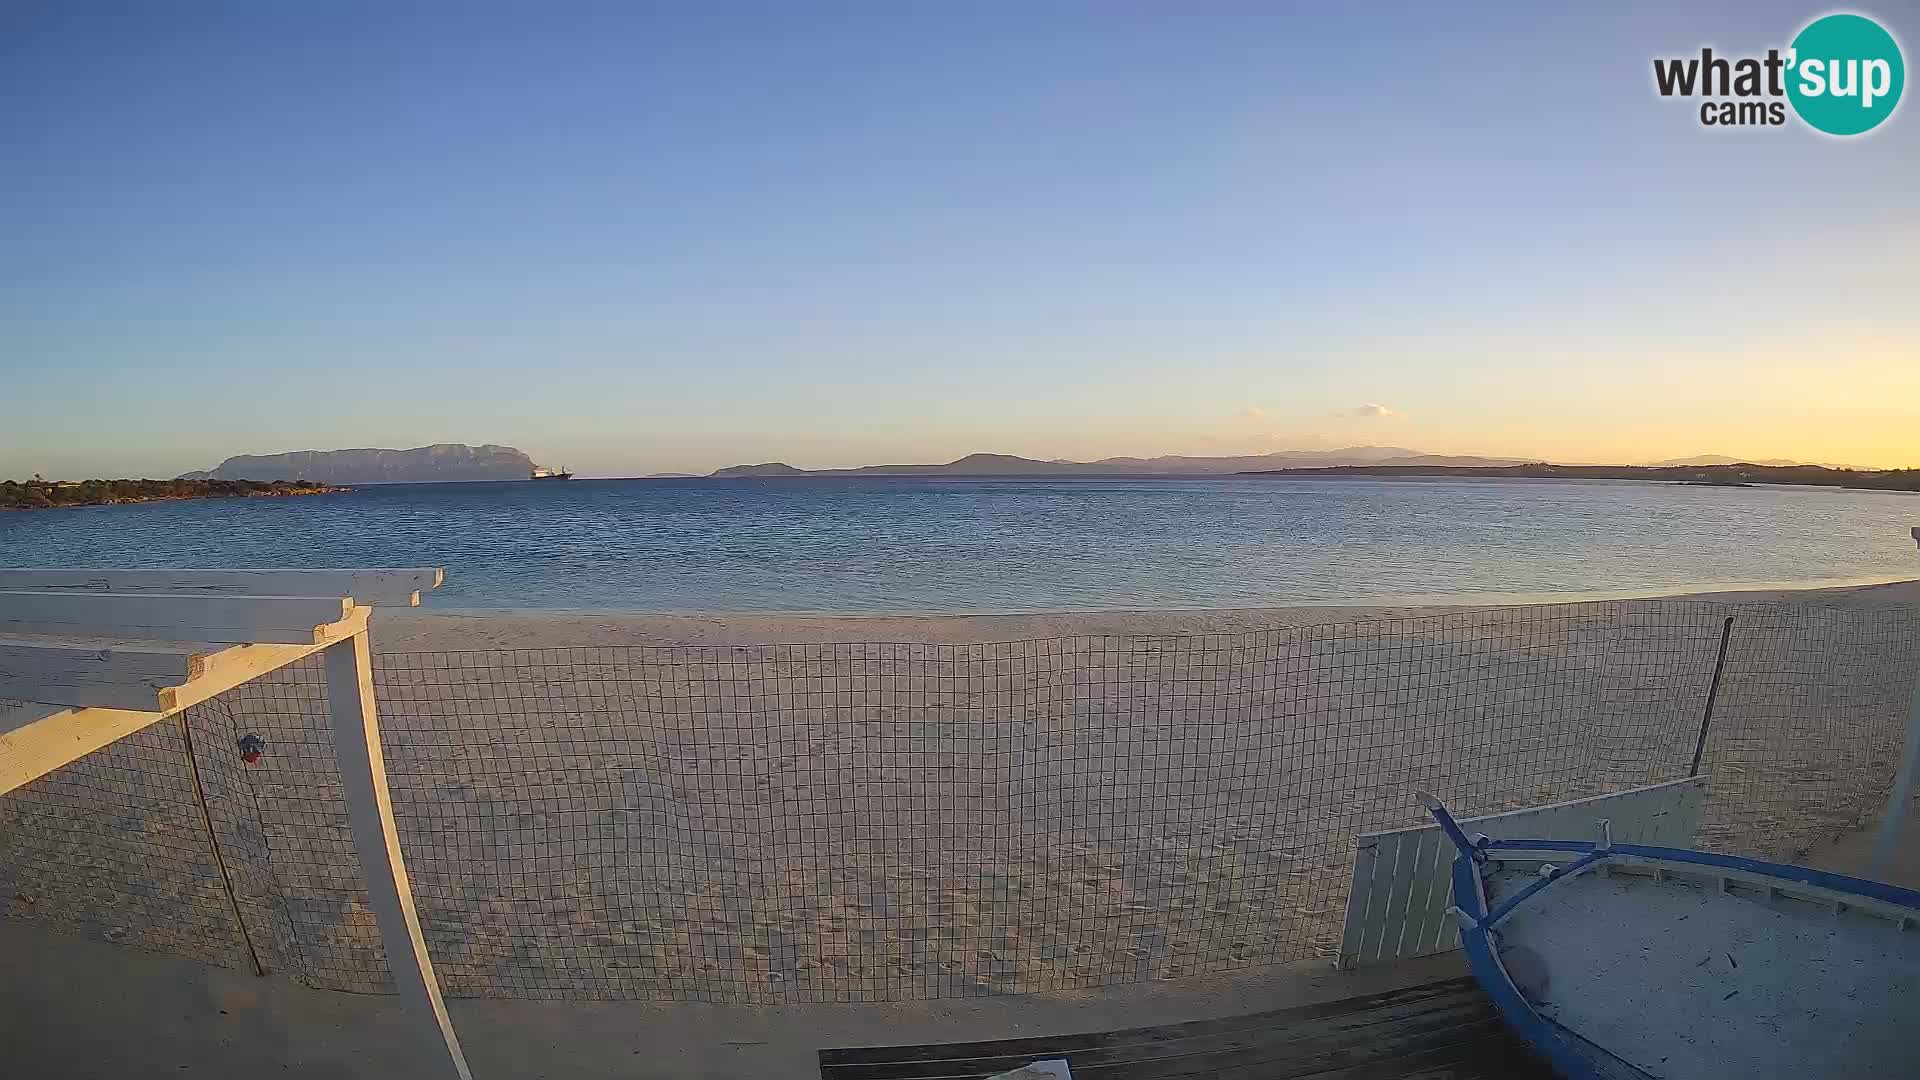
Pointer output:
x,y
1446,1030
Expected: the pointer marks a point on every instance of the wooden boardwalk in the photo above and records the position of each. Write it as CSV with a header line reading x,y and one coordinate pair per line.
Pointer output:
x,y
1441,1031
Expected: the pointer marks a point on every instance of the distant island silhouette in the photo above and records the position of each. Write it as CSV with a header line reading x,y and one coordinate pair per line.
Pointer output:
x,y
1714,469
1742,474
1171,465
444,462
438,463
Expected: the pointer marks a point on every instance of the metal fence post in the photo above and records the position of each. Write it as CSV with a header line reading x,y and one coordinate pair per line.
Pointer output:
x,y
1713,695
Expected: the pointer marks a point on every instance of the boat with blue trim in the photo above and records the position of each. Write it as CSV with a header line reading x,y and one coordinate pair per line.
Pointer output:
x,y
1619,961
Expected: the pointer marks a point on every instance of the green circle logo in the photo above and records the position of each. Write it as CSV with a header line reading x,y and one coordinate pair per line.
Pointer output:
x,y
1845,74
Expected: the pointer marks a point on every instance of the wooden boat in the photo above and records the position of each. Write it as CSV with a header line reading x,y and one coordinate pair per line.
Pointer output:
x,y
1626,961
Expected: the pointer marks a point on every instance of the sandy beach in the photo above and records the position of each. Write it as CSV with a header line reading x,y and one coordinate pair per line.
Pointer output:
x,y
792,808
425,629
817,807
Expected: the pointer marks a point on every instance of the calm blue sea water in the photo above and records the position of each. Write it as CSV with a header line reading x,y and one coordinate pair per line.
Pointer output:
x,y
949,544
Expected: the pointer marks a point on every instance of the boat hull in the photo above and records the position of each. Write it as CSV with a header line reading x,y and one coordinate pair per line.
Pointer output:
x,y
1642,961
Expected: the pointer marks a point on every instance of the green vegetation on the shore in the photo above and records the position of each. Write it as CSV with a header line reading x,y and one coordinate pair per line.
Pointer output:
x,y
36,494
1709,475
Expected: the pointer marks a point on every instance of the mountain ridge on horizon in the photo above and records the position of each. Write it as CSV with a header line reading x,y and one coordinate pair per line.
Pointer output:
x,y
986,464
990,464
439,462
444,462
1769,463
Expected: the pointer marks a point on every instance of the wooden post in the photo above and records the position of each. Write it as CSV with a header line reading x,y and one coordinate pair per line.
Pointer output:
x,y
363,770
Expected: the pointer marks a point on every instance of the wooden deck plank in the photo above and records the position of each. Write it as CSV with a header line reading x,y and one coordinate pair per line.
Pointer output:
x,y
1267,1042
1441,1031
1481,1051
1381,1058
1496,1055
1444,990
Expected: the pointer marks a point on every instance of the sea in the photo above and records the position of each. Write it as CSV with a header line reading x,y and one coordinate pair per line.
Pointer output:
x,y
957,544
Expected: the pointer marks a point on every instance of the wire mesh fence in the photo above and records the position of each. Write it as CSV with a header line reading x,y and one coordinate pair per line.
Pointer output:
x,y
869,822
114,846
1809,726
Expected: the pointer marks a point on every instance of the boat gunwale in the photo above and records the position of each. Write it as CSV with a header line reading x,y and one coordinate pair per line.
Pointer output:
x,y
1825,880
1483,959
1478,937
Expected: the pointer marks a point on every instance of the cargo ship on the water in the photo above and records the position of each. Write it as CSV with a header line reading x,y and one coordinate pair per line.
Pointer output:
x,y
541,472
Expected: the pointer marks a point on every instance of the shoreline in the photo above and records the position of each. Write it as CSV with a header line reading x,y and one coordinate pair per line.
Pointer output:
x,y
426,629
52,496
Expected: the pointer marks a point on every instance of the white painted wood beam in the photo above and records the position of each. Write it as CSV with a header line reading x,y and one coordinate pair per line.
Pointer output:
x,y
37,739
122,676
363,773
171,617
221,671
38,736
148,676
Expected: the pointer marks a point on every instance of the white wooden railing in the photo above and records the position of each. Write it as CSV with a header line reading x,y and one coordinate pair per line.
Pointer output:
x,y
90,656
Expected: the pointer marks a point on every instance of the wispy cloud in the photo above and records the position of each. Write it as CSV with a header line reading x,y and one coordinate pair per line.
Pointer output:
x,y
1374,409
1254,412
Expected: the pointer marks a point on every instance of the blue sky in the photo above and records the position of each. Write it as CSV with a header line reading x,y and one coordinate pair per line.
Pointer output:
x,y
634,241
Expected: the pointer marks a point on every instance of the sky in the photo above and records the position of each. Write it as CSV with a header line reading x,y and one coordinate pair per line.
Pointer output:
x,y
631,240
